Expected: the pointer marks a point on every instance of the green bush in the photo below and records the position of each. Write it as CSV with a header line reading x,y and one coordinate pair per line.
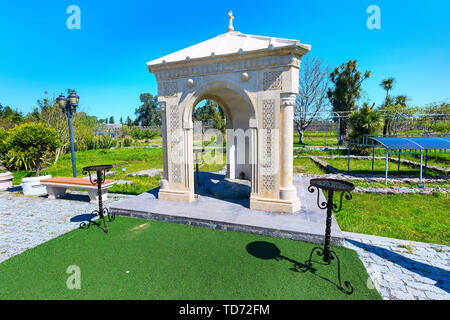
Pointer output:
x,y
3,146
148,134
28,143
106,142
364,121
127,141
136,133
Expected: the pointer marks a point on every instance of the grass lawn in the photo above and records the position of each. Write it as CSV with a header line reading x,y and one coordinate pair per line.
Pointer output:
x,y
141,259
379,184
413,217
306,165
365,166
316,138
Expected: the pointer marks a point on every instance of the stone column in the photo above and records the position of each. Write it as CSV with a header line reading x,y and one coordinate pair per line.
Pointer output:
x,y
287,190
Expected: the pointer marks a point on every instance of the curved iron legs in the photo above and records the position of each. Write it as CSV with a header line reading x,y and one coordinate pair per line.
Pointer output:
x,y
332,255
105,213
91,215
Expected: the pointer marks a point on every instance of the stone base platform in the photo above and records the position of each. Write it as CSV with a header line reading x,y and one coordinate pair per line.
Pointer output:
x,y
307,224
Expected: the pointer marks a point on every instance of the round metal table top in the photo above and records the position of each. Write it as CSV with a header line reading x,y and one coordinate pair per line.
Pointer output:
x,y
332,184
98,168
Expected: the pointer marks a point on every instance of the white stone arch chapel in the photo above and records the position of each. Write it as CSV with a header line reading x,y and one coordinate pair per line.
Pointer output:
x,y
255,81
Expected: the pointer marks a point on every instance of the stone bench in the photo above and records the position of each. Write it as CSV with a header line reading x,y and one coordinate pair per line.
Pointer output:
x,y
56,187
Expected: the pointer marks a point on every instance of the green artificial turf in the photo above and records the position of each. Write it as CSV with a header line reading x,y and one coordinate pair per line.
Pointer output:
x,y
141,259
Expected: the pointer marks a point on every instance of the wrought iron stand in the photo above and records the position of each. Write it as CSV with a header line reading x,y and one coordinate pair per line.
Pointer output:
x,y
100,178
331,186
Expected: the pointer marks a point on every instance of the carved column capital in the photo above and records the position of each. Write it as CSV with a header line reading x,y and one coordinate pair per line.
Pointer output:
x,y
288,99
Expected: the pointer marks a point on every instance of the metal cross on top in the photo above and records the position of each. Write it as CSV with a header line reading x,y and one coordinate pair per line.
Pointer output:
x,y
230,17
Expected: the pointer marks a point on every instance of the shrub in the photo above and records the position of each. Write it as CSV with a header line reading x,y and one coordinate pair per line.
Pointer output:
x,y
3,146
106,142
148,134
28,143
136,133
127,141
364,121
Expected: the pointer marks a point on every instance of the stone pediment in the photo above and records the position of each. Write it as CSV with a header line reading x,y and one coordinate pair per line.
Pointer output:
x,y
230,46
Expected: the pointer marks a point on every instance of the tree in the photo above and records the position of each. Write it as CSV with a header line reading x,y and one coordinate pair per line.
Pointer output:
x,y
210,111
363,122
395,114
148,114
49,113
347,82
136,133
32,140
312,94
387,84
121,120
435,117
9,117
111,120
3,146
129,122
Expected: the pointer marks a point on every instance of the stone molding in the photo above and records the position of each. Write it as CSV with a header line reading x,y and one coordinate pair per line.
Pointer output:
x,y
228,66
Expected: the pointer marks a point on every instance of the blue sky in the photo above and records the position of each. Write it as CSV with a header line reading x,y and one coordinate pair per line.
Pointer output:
x,y
105,59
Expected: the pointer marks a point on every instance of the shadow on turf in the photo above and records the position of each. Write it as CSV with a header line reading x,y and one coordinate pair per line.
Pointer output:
x,y
423,269
267,251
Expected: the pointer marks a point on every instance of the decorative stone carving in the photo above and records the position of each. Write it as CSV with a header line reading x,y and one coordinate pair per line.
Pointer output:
x,y
221,67
175,144
268,182
168,89
268,161
288,100
272,80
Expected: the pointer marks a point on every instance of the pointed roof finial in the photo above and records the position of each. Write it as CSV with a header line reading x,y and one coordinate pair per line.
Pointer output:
x,y
230,17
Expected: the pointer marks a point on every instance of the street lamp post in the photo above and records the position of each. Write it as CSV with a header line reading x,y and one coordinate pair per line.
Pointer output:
x,y
69,105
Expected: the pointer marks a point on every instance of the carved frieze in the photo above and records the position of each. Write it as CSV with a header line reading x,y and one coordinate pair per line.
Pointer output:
x,y
223,67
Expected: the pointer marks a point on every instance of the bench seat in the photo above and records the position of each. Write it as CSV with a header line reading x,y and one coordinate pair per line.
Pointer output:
x,y
56,187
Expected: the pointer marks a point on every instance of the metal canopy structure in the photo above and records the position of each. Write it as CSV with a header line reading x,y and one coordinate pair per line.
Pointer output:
x,y
423,145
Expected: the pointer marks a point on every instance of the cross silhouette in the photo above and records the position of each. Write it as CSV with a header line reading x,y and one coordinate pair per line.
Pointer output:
x,y
230,17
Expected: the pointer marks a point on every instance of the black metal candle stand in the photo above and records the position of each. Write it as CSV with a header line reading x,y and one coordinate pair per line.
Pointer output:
x,y
331,186
98,180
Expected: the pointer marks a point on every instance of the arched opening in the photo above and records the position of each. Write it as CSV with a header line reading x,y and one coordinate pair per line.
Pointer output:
x,y
221,127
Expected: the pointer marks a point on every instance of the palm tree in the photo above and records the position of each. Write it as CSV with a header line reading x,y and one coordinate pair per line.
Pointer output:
x,y
387,84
